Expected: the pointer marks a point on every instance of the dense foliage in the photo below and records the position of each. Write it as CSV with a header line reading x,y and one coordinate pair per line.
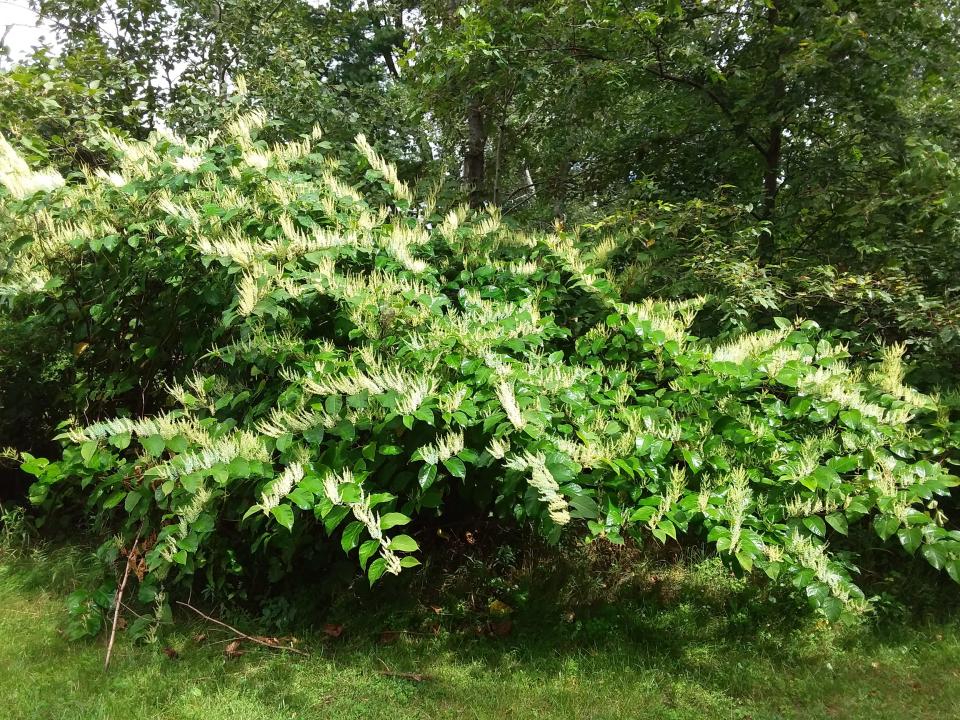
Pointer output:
x,y
667,270
368,365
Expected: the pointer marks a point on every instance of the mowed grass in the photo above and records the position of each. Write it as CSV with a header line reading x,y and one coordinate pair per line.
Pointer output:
x,y
687,660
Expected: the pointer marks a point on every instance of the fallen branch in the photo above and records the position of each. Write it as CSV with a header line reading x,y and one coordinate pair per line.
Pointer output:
x,y
251,638
119,601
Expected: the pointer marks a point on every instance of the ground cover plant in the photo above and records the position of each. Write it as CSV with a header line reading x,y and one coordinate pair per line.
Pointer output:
x,y
348,366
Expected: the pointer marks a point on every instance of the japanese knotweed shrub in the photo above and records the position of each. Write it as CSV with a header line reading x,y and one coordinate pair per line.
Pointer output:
x,y
376,362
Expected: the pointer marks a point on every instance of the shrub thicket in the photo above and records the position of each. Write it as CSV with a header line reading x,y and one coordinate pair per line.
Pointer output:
x,y
347,364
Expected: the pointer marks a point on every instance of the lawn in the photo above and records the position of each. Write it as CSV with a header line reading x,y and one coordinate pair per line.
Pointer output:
x,y
684,660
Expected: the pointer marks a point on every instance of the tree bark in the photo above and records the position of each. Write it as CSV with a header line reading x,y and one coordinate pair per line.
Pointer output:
x,y
560,196
766,247
474,160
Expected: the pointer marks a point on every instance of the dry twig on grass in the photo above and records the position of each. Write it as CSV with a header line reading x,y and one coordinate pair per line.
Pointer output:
x,y
130,560
266,642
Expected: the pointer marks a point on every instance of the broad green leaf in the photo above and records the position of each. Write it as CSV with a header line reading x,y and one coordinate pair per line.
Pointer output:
x,y
367,549
88,449
455,467
351,536
284,515
404,543
886,525
392,519
838,521
114,499
377,568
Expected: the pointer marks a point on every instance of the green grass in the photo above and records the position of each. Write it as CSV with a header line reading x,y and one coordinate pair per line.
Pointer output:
x,y
686,659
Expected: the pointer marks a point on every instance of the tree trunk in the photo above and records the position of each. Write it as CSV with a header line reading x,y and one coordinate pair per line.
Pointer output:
x,y
560,194
474,164
766,247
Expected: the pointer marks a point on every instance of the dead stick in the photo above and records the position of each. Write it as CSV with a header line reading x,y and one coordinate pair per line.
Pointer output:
x,y
243,635
119,600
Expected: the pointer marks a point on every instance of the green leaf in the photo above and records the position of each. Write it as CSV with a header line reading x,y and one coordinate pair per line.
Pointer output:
x,y
815,524
693,459
121,441
789,376
832,608
886,525
377,568
838,521
367,549
133,497
312,484
953,569
114,499
910,538
284,515
426,476
88,449
936,555
404,543
334,518
659,449
850,418
177,444
584,507
456,467
826,477
393,519
351,536
301,497
772,569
